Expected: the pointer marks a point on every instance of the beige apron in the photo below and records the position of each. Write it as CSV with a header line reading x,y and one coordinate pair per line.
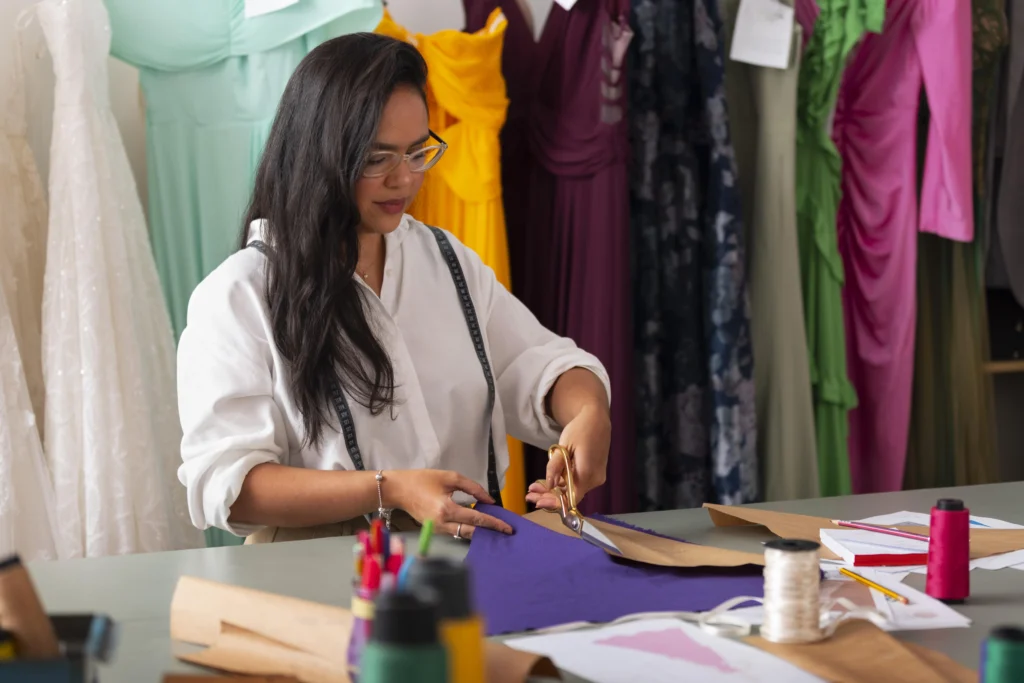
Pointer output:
x,y
400,521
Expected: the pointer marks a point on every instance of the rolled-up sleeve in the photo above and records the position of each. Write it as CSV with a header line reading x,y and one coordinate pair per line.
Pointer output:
x,y
527,357
229,418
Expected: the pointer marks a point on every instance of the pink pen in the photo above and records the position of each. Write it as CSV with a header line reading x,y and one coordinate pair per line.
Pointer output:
x,y
881,530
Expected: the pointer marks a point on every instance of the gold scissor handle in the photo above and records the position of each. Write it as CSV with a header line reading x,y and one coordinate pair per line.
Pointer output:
x,y
567,496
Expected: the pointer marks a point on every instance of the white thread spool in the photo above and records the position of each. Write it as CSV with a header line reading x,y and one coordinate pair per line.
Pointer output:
x,y
792,592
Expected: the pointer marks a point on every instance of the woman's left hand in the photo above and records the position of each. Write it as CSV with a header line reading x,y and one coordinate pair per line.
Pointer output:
x,y
588,438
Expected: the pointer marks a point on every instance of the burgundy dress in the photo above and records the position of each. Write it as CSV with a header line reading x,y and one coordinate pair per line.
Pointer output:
x,y
566,190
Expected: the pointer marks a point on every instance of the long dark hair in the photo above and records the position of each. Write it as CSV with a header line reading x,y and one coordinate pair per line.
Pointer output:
x,y
305,190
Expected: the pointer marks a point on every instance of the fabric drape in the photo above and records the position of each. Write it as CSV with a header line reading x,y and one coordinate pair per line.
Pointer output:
x,y
839,27
952,432
212,80
925,44
762,108
564,178
28,519
111,429
1010,202
695,391
462,194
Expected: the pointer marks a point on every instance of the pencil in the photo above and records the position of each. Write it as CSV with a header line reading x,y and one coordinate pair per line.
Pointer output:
x,y
871,584
881,529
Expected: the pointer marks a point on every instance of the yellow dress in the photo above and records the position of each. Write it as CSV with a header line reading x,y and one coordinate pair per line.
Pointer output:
x,y
467,104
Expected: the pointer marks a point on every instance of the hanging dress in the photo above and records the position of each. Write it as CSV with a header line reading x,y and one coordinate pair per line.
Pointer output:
x,y
111,431
28,519
212,80
926,43
837,30
695,390
565,184
762,111
462,194
22,229
952,423
1010,201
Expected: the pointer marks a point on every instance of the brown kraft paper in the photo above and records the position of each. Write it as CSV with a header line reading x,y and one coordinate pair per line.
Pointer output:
x,y
860,652
650,549
984,542
256,633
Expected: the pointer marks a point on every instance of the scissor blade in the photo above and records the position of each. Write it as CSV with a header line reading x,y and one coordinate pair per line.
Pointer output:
x,y
593,535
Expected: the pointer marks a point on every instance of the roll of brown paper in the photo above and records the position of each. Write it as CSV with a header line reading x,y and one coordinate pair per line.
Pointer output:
x,y
22,613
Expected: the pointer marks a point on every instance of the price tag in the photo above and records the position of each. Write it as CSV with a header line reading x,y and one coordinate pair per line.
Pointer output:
x,y
763,34
255,8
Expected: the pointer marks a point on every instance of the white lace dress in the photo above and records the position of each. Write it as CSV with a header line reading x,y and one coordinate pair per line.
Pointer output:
x,y
111,430
27,517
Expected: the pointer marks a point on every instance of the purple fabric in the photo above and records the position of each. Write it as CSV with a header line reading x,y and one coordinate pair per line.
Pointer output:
x,y
537,578
564,156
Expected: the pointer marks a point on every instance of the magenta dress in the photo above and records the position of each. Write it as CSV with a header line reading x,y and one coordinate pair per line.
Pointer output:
x,y
566,191
925,44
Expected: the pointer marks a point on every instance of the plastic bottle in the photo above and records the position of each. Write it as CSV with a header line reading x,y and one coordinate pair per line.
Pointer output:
x,y
462,629
404,645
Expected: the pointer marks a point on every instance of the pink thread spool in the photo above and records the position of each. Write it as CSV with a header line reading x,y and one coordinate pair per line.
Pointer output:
x,y
949,552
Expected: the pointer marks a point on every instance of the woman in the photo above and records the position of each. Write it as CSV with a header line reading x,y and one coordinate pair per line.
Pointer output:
x,y
350,359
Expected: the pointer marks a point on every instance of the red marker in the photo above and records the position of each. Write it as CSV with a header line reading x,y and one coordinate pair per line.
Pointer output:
x,y
371,573
394,564
377,537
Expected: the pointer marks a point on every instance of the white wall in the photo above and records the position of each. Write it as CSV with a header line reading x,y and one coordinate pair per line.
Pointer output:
x,y
417,15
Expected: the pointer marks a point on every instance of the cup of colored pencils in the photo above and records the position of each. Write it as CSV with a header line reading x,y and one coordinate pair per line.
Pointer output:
x,y
378,558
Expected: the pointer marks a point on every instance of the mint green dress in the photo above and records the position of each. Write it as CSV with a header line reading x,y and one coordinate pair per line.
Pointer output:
x,y
212,80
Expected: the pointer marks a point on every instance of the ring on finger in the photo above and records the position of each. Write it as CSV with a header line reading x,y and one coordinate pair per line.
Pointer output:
x,y
458,531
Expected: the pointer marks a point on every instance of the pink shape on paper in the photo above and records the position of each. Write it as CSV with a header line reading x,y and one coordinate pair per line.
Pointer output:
x,y
671,642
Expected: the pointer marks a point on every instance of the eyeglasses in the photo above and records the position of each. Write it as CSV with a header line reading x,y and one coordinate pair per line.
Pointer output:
x,y
382,162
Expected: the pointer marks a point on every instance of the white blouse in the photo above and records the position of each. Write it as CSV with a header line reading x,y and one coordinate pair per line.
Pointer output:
x,y
233,391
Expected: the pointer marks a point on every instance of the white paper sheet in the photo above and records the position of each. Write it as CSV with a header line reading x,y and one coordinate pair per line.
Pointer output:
x,y
848,543
660,651
763,33
922,614
1013,559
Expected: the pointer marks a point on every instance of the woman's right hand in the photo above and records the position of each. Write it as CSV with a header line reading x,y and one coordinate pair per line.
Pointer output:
x,y
427,494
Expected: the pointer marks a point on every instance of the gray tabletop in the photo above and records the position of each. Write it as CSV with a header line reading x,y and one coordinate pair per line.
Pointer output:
x,y
136,590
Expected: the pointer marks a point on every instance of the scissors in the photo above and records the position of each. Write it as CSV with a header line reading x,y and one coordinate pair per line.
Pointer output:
x,y
571,517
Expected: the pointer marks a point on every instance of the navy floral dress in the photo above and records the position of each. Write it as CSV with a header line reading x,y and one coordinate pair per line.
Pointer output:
x,y
695,389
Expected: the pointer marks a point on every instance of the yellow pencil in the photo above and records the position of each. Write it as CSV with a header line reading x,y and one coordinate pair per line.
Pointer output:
x,y
871,584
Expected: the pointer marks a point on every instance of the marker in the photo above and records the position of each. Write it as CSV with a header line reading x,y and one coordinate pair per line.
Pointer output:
x,y
376,537
358,553
371,574
426,533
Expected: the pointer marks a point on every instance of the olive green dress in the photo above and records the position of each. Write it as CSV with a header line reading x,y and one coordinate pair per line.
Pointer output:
x,y
762,116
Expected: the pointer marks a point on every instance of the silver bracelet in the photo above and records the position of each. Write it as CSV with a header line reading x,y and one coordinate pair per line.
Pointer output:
x,y
384,513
